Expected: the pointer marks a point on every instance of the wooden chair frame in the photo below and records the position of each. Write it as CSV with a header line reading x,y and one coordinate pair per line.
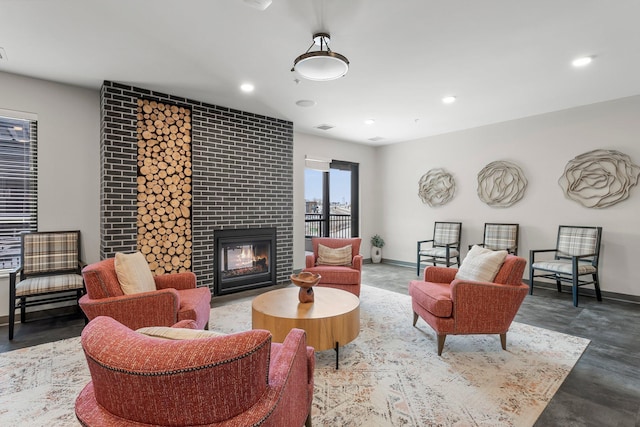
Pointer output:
x,y
575,259
447,259
46,297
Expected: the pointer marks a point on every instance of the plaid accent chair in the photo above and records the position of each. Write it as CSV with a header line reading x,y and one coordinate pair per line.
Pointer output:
x,y
240,379
576,255
463,307
444,248
49,272
176,298
499,237
346,275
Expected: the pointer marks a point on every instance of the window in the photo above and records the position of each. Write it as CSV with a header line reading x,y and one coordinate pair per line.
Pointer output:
x,y
18,183
331,200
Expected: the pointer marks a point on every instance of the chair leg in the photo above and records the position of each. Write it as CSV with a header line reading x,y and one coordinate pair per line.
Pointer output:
x,y
574,290
12,317
23,309
441,339
503,340
530,279
558,285
12,305
415,318
596,283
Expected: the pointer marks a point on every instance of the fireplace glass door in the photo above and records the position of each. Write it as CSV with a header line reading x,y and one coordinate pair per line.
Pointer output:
x,y
245,259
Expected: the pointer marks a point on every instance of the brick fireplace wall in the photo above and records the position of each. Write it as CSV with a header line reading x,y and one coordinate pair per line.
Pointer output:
x,y
242,176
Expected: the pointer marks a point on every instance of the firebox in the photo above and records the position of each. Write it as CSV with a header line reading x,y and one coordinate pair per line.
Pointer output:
x,y
245,259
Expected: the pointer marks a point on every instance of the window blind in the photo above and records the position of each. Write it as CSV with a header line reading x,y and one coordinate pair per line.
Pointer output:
x,y
18,186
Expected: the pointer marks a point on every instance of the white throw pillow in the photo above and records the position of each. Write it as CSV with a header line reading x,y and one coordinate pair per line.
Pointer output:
x,y
169,333
337,256
481,264
134,273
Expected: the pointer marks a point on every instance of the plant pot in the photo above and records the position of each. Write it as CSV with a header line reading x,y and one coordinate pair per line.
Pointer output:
x,y
376,254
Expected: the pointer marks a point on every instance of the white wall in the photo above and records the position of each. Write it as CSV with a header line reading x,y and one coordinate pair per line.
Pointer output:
x,y
68,158
541,145
319,147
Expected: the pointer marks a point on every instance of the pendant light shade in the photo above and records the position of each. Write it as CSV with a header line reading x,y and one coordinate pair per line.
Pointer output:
x,y
323,64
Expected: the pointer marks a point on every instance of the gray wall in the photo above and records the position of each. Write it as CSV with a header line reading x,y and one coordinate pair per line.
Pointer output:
x,y
68,158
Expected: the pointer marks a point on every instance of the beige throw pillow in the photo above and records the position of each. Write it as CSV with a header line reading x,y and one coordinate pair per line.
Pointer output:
x,y
481,265
331,256
134,273
169,333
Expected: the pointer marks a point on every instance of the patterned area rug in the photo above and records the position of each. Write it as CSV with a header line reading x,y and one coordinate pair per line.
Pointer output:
x,y
390,375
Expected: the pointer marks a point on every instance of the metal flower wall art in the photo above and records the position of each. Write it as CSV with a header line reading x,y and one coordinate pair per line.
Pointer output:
x,y
599,178
436,187
501,184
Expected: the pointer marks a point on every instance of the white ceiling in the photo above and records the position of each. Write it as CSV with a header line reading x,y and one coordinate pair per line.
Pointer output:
x,y
502,59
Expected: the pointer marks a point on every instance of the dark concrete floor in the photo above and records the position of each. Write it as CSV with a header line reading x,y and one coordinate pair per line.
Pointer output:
x,y
603,389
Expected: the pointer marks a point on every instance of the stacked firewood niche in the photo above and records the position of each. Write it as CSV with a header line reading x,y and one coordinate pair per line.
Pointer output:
x,y
164,186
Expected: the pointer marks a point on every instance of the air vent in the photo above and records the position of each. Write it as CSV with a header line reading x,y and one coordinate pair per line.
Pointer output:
x,y
376,139
324,127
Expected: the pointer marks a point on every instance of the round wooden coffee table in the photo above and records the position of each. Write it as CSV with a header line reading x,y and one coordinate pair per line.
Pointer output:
x,y
332,320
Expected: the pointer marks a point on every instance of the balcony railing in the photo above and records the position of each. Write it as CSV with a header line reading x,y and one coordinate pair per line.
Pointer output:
x,y
339,225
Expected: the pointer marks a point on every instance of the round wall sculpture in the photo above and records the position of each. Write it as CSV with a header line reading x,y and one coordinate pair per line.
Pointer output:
x,y
599,178
436,187
501,184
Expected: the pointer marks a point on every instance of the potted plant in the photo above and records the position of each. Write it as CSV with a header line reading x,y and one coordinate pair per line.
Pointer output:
x,y
377,243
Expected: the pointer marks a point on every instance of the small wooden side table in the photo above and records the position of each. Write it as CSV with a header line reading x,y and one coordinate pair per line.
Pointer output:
x,y
333,319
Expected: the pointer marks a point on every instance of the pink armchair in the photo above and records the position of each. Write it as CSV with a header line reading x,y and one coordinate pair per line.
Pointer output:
x,y
345,277
176,298
231,380
460,307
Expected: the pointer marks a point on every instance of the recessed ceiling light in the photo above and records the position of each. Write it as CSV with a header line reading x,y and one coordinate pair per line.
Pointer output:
x,y
258,4
369,121
247,87
449,99
581,62
305,103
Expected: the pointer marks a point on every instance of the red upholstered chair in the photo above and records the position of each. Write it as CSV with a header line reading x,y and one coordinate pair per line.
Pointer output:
x,y
176,298
345,277
462,307
240,379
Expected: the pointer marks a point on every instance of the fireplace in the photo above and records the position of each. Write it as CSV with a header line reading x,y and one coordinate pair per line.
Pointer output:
x,y
244,259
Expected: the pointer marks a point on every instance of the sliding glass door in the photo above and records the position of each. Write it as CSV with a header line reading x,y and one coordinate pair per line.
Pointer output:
x,y
331,201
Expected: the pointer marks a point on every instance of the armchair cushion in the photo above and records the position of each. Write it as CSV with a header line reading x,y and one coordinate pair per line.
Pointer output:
x,y
173,333
336,274
433,297
481,265
55,283
334,256
439,252
564,266
134,273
